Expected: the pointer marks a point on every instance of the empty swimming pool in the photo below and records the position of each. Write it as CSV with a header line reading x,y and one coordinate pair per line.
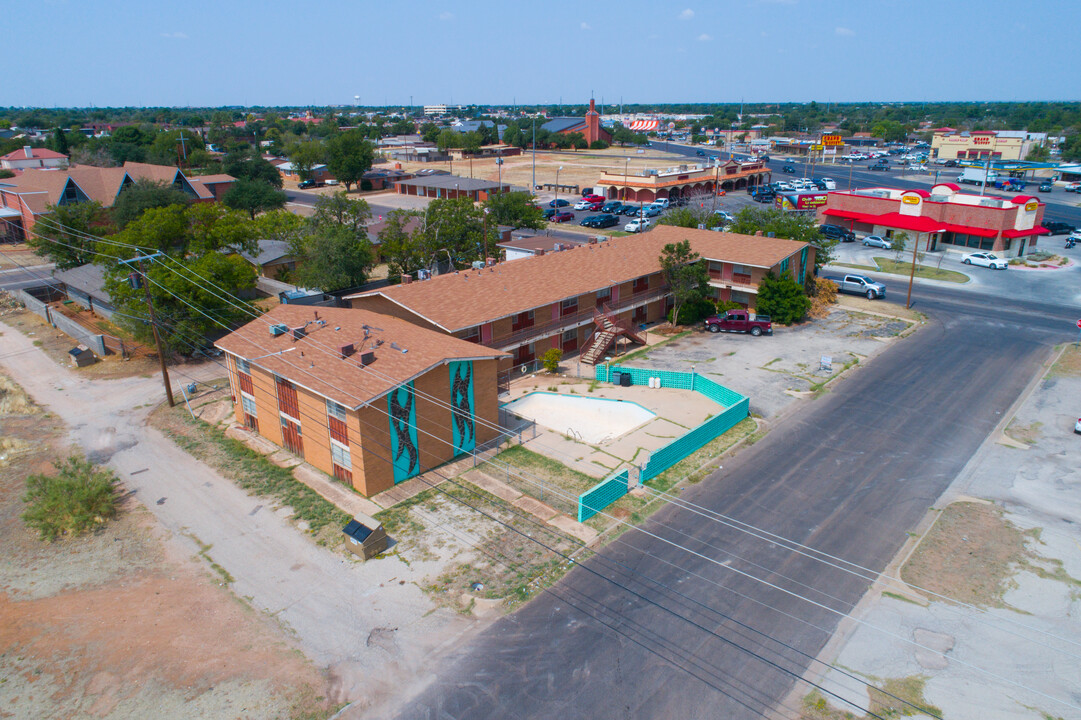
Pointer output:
x,y
590,420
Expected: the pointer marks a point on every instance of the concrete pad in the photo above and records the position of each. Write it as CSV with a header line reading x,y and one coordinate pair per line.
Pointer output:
x,y
574,528
284,458
342,497
932,656
405,490
490,484
535,507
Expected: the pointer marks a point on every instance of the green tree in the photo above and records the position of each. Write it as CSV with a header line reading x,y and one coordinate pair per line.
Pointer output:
x,y
332,258
685,274
78,498
143,195
399,249
60,236
60,141
337,209
577,141
516,209
305,156
782,299
690,216
453,228
801,228
349,156
254,196
280,225
429,132
471,142
250,165
897,245
448,139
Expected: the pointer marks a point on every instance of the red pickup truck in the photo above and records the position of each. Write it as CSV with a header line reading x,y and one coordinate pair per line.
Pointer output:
x,y
740,321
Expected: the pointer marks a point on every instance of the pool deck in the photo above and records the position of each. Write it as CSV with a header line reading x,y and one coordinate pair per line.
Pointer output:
x,y
677,412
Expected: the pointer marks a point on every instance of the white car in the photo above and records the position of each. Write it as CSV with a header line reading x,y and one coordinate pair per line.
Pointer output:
x,y
785,187
1072,187
583,205
1077,426
637,225
985,259
725,216
877,241
829,183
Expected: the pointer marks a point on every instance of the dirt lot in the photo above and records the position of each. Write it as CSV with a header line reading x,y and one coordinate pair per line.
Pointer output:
x,y
121,623
1001,546
18,256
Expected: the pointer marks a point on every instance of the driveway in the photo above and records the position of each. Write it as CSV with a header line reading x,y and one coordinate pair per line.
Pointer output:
x,y
369,623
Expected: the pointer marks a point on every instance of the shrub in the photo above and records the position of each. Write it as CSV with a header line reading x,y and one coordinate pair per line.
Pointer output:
x,y
724,306
75,500
782,299
551,359
693,311
598,145
824,295
365,185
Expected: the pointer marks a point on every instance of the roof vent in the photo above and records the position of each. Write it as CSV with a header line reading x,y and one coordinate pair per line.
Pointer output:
x,y
298,332
367,358
406,279
279,329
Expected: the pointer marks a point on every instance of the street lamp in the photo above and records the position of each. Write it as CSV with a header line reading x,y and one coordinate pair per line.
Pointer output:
x,y
455,191
556,201
626,165
534,187
499,164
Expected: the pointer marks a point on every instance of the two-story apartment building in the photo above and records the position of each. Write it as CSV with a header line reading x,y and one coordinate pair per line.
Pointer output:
x,y
561,299
370,399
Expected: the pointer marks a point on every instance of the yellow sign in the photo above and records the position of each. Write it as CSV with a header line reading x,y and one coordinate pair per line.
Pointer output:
x,y
1032,206
832,140
910,199
816,148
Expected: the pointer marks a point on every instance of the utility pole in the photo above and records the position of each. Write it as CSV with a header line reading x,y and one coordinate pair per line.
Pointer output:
x,y
912,274
533,188
153,324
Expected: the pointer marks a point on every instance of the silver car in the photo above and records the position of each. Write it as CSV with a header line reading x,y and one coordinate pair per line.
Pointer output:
x,y
877,241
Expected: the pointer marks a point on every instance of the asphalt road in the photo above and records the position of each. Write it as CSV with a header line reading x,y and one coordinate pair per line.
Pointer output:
x,y
646,629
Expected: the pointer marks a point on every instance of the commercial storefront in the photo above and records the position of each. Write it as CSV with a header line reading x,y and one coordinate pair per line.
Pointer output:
x,y
951,144
944,217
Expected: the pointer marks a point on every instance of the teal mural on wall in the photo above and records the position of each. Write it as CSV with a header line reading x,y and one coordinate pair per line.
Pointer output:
x,y
461,401
405,453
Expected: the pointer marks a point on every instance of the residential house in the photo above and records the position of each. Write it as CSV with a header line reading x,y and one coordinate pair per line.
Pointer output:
x,y
29,158
271,259
371,399
558,299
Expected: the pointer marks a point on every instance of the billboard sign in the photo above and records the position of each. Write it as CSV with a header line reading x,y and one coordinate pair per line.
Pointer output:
x,y
832,140
801,201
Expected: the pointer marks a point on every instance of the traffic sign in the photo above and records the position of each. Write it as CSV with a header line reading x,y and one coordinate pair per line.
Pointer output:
x,y
1079,324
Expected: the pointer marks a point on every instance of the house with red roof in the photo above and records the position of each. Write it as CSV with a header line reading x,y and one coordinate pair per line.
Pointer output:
x,y
941,218
27,158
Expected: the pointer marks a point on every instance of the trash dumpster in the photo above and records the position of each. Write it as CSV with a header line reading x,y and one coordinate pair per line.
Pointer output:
x,y
615,376
367,538
625,380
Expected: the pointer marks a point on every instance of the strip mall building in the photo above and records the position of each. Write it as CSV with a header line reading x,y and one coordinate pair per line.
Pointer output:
x,y
943,217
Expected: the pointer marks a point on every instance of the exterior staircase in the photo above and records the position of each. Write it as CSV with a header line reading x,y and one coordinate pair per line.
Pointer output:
x,y
607,329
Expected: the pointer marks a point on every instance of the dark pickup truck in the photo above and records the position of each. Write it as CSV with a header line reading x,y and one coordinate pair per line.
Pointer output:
x,y
739,321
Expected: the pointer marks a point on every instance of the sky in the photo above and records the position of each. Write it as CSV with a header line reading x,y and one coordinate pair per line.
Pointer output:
x,y
80,53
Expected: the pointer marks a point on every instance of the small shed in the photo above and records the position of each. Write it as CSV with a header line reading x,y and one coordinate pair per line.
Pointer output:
x,y
81,356
367,538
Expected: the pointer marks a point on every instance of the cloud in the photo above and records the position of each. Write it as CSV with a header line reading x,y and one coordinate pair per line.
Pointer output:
x,y
175,35
704,37
585,26
446,15
844,32
686,14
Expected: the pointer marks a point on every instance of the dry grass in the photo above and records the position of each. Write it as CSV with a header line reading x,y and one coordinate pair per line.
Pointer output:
x,y
1069,363
1027,434
824,298
892,698
969,555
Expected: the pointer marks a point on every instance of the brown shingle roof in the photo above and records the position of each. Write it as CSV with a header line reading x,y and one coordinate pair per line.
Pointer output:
x,y
472,297
35,154
316,365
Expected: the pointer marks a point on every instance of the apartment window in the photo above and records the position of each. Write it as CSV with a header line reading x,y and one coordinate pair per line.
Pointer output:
x,y
568,307
522,321
340,456
243,366
336,423
640,284
569,340
604,296
287,398
251,413
472,335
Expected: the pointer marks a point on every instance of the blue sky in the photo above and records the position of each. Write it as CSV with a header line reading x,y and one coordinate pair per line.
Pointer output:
x,y
241,52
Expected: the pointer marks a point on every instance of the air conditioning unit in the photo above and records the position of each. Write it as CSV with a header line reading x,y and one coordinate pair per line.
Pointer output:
x,y
298,332
279,329
367,358
346,350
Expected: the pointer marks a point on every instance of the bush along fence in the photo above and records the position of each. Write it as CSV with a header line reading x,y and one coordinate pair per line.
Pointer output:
x,y
736,408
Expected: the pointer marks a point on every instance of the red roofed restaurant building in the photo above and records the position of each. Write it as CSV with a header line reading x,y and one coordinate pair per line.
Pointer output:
x,y
943,217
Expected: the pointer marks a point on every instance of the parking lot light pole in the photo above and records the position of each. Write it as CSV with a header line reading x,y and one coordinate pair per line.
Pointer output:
x,y
556,201
534,187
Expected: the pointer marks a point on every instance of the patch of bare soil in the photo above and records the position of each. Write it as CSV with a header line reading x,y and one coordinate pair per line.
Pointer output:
x,y
969,555
116,625
1069,363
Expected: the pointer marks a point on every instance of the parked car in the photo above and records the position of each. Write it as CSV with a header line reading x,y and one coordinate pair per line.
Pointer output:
x,y
829,183
764,197
1058,228
700,153
588,220
651,211
1077,426
560,202
880,164
632,210
1072,187
583,204
637,225
877,241
1046,187
661,203
740,321
613,207
985,259
549,212
837,232
784,187
587,191
305,184
604,221
725,216
594,198
951,163
788,168
562,216
860,285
